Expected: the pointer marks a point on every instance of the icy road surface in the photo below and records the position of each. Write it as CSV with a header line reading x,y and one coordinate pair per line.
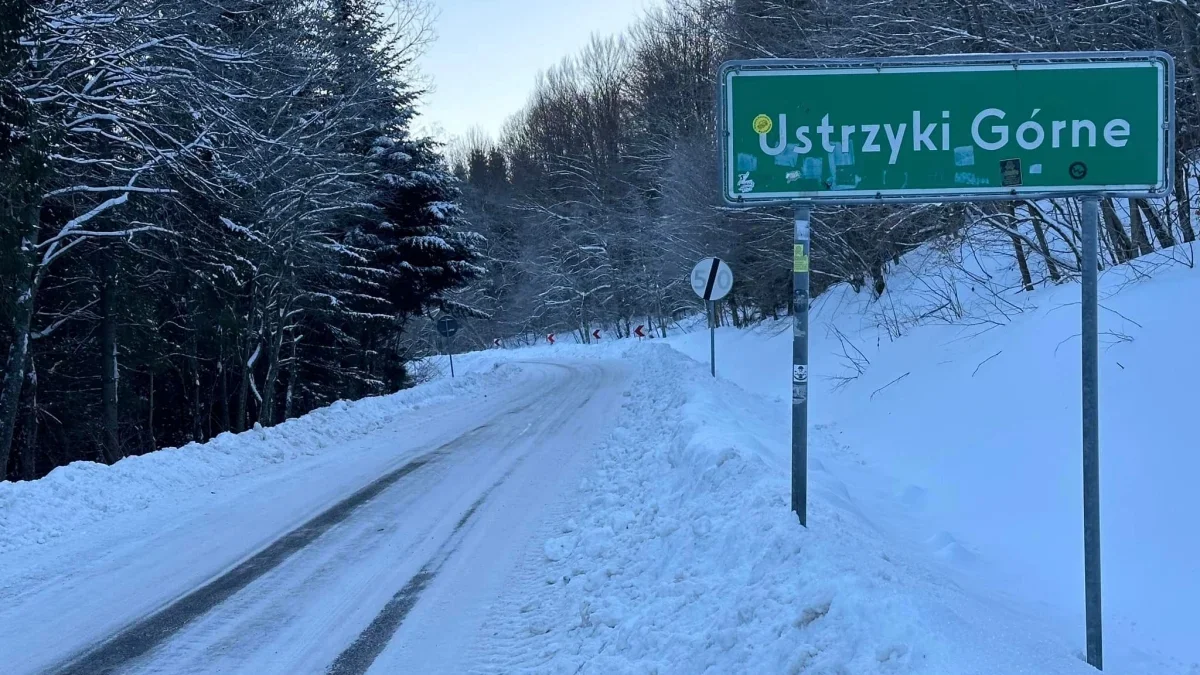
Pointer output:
x,y
432,515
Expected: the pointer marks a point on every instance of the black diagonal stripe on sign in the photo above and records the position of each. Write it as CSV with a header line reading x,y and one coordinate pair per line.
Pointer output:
x,y
712,278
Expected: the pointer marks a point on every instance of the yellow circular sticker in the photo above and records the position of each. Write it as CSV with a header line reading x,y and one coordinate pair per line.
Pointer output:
x,y
762,124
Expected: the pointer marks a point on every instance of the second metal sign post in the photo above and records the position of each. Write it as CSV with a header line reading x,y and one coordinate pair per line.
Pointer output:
x,y
712,280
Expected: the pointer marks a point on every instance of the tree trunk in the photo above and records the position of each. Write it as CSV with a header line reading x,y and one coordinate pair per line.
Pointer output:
x,y
289,398
1026,277
24,291
1161,232
1019,249
1067,236
239,417
266,415
150,421
1040,232
197,400
1122,246
109,377
877,277
1183,200
223,373
1140,241
30,426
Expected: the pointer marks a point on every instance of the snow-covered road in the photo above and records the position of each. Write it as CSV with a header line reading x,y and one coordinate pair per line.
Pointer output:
x,y
566,509
398,544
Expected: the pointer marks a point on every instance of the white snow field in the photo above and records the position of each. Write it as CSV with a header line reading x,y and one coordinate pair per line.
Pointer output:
x,y
961,441
613,509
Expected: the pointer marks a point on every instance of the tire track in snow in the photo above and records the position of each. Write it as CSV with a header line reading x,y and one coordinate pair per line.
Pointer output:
x,y
138,643
361,654
147,633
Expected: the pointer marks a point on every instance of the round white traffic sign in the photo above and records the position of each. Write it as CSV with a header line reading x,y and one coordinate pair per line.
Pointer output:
x,y
712,279
447,326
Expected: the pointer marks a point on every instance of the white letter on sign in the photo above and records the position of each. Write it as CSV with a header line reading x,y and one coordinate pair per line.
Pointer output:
x,y
922,136
895,140
778,149
869,145
805,144
1116,133
1038,131
1001,130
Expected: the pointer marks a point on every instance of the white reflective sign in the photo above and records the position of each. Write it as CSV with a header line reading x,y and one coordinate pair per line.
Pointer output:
x,y
712,279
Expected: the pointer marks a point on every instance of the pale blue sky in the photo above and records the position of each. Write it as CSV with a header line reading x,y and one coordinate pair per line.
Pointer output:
x,y
488,54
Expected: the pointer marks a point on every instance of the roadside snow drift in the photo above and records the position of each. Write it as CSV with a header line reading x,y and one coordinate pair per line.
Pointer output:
x,y
83,495
683,556
960,437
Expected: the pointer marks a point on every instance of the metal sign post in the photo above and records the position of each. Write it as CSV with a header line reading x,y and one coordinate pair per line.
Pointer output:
x,y
712,280
800,263
447,327
927,129
712,337
1091,434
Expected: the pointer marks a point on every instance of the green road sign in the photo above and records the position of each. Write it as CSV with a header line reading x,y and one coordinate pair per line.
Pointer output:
x,y
947,128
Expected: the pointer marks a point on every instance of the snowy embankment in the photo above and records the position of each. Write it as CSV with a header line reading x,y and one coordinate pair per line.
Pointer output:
x,y
960,437
683,557
945,490
84,496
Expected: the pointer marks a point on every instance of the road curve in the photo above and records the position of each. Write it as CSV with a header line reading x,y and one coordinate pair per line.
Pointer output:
x,y
407,564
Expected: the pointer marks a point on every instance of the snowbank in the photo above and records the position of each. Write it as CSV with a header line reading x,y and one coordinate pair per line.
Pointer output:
x,y
960,437
684,557
82,495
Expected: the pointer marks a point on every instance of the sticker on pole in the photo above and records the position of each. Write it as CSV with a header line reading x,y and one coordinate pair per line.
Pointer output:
x,y
712,279
447,326
799,259
966,127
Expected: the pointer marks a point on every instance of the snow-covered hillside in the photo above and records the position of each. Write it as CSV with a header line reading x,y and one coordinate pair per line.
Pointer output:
x,y
961,441
945,488
944,506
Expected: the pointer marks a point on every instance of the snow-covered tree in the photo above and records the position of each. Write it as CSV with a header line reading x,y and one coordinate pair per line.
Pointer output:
x,y
178,250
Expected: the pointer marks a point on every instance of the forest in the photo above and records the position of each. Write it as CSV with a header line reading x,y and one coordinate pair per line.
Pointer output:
x,y
214,216
596,200
217,215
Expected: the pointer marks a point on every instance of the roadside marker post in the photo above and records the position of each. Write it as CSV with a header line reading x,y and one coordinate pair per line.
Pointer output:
x,y
712,279
935,129
447,327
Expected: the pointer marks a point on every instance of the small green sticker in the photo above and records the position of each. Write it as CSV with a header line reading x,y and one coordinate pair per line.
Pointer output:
x,y
799,259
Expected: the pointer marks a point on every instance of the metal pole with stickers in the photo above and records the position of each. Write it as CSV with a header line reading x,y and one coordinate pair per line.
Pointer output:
x,y
936,129
801,239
